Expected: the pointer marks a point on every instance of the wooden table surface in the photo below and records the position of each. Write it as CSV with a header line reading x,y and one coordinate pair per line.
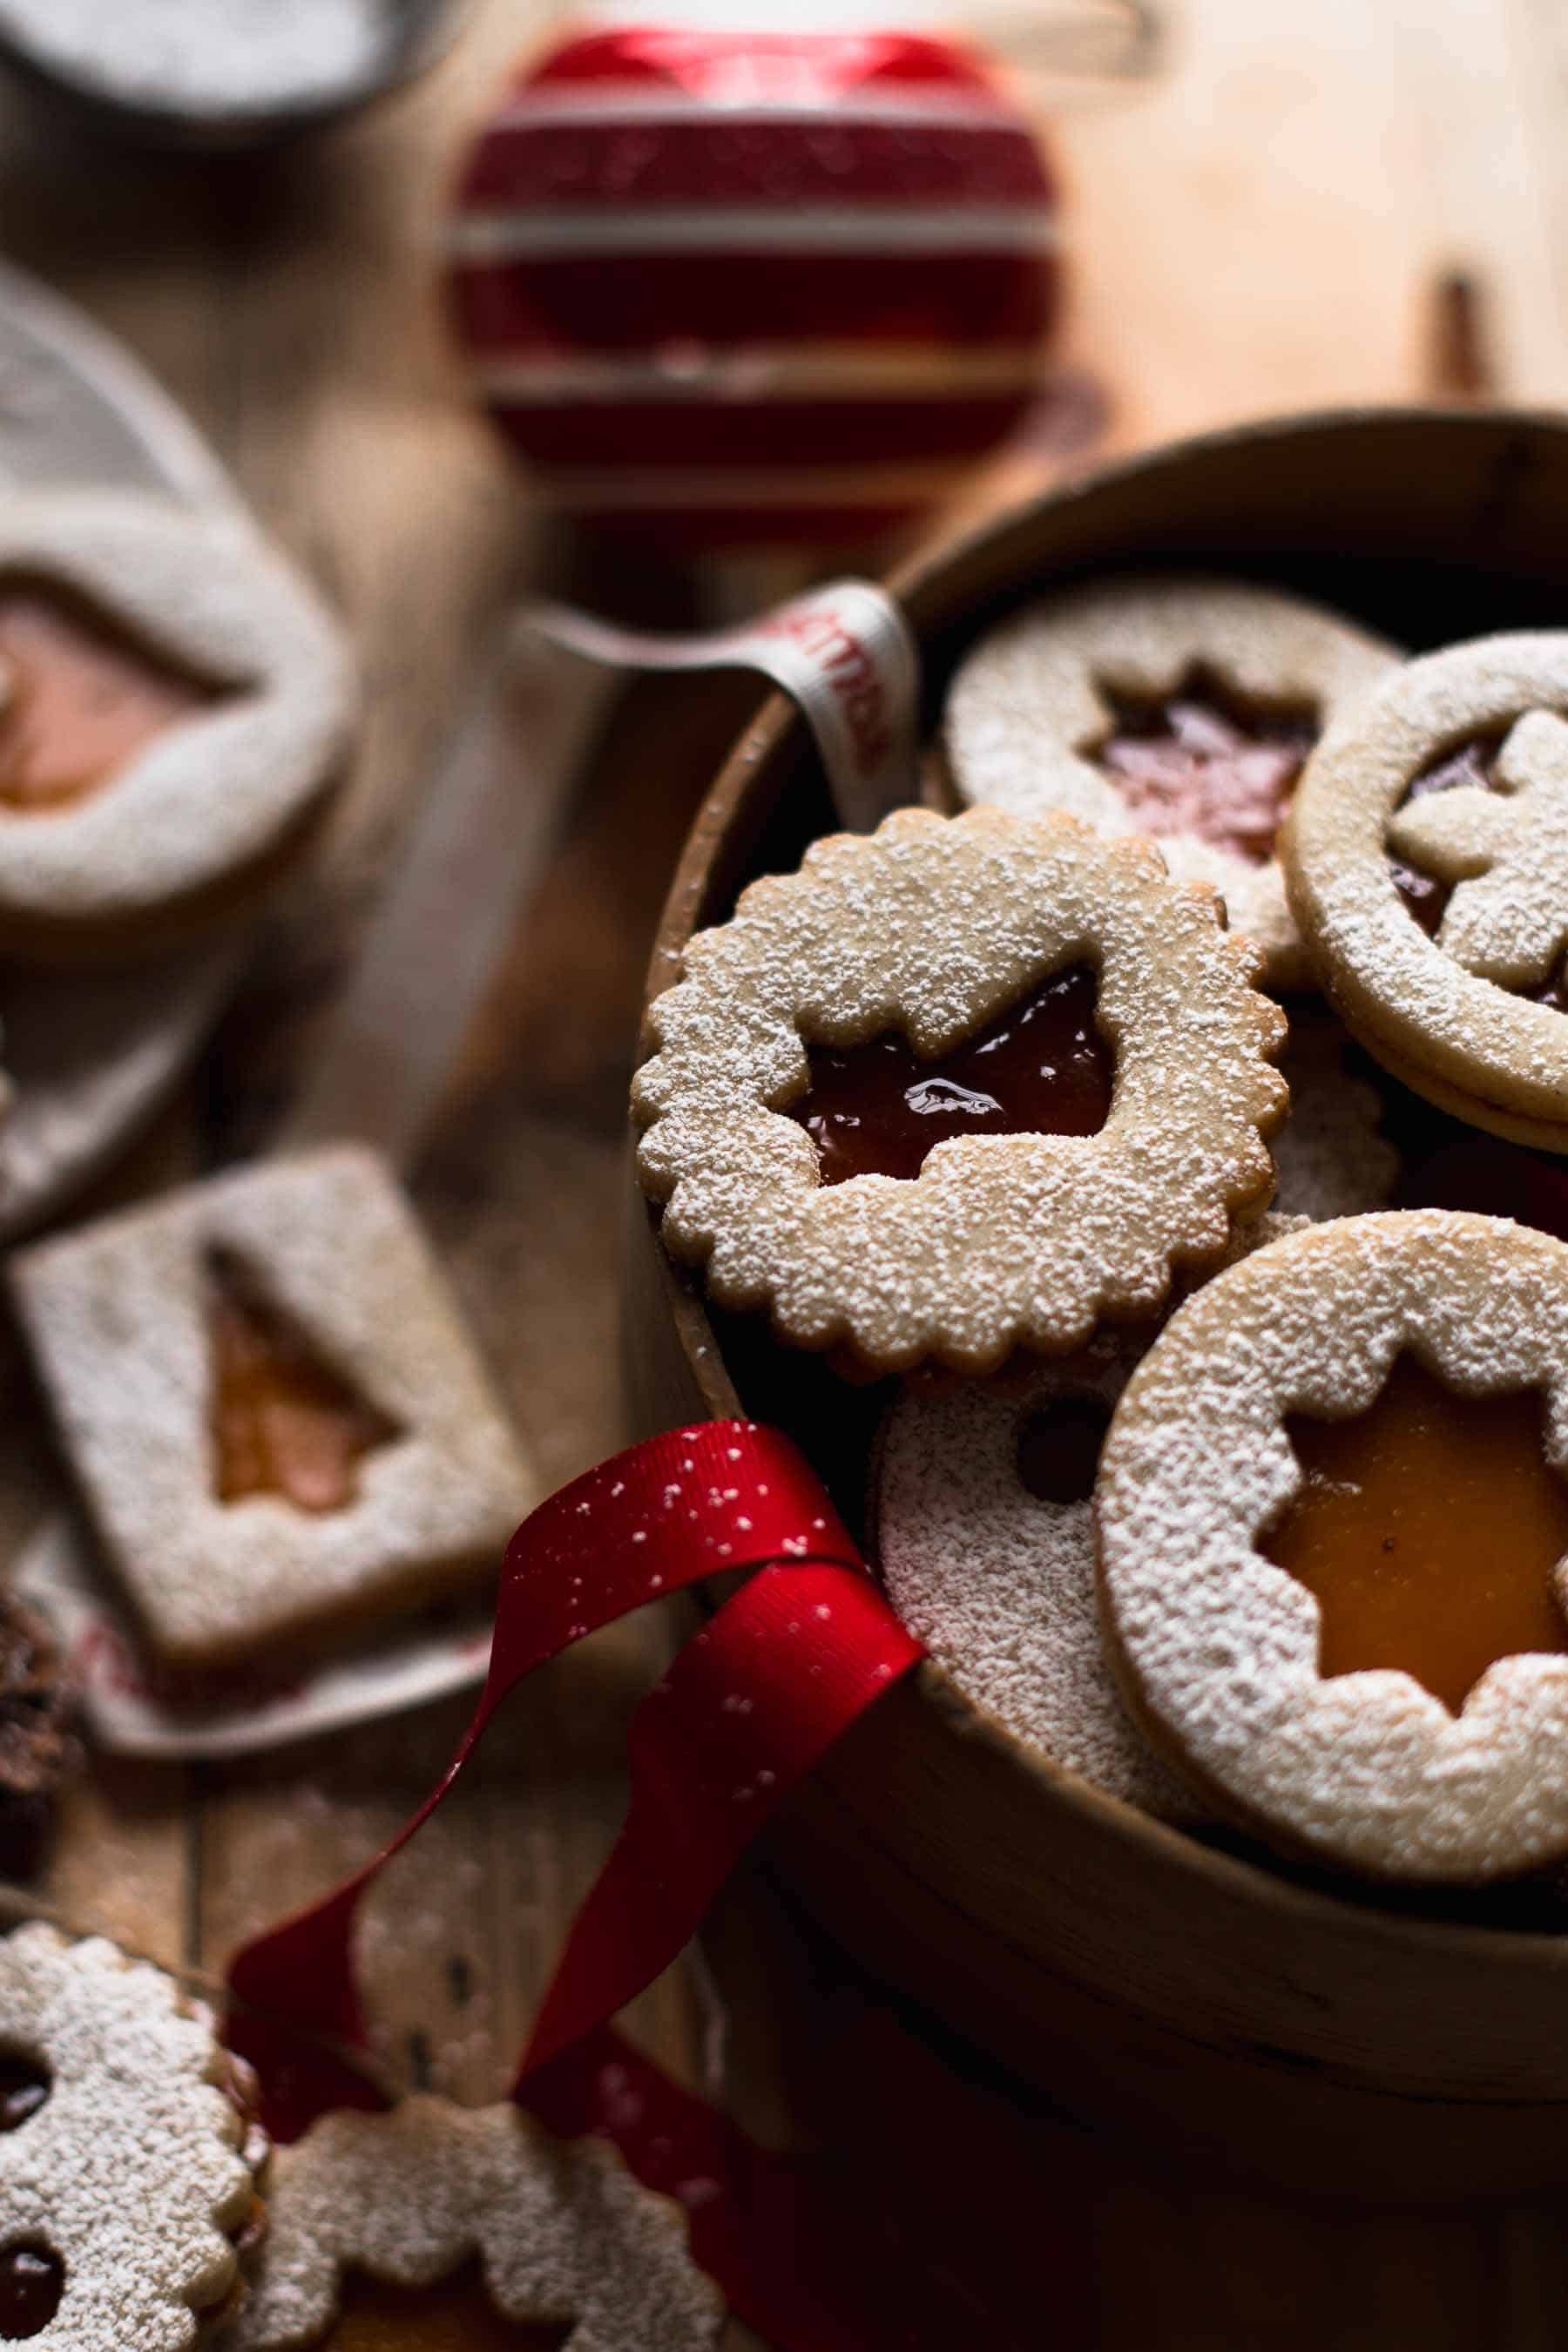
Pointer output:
x,y
1281,223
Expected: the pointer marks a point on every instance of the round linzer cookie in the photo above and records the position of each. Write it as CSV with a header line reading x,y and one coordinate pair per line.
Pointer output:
x,y
450,2227
960,1087
985,1539
1179,706
174,700
1332,1514
1427,857
129,2159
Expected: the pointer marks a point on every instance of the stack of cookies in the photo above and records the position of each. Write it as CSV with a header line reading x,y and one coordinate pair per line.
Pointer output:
x,y
1129,1116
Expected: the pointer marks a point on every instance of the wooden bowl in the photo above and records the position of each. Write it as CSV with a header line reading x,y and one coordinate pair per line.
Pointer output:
x,y
1134,1976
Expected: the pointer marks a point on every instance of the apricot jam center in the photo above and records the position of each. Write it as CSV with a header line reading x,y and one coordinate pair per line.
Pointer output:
x,y
1200,761
1041,1068
283,1422
76,700
455,2315
1428,1528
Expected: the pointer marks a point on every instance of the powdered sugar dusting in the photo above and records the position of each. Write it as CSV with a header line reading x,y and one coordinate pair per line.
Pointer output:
x,y
934,925
1397,987
131,2171
564,2232
1333,1159
1506,853
1027,710
1220,1646
999,1585
215,793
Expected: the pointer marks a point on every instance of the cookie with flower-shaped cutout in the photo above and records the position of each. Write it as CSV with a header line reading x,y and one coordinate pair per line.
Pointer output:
x,y
174,702
1180,706
1332,1519
1427,862
129,2159
959,1086
450,2226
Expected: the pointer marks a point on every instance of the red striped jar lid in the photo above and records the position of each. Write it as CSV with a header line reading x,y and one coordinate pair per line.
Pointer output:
x,y
754,288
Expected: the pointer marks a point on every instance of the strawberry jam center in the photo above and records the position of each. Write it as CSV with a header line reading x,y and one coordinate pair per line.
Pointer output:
x,y
1201,762
1040,1068
76,700
1428,1528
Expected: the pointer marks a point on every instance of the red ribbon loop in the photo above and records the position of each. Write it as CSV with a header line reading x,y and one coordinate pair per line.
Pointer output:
x,y
784,1668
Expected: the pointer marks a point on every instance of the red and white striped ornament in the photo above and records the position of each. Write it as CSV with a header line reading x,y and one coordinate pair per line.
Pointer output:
x,y
754,288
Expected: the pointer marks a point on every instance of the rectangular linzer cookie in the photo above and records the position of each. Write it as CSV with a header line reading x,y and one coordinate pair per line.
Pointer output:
x,y
279,1423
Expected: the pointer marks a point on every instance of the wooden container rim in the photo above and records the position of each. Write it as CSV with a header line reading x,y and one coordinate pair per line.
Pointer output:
x,y
923,587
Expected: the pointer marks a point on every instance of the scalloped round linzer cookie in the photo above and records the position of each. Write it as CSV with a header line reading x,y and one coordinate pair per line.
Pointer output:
x,y
128,2162
1427,862
174,700
1178,706
960,1086
986,1543
367,2208
1332,1516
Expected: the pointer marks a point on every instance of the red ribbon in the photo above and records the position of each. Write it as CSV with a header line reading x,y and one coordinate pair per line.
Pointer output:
x,y
748,1707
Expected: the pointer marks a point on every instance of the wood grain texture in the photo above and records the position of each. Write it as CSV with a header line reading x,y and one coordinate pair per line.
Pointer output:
x,y
1264,231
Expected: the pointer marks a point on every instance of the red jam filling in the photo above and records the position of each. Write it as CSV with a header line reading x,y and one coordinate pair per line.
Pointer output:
x,y
32,2280
455,2315
1041,1068
1058,1448
283,1422
1428,1528
1201,762
1472,763
76,700
23,2088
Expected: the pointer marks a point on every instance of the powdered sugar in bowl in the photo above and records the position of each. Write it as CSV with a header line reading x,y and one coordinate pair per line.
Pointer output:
x,y
221,73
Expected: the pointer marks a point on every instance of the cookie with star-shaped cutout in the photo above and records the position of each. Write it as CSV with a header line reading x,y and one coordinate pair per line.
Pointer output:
x,y
1427,858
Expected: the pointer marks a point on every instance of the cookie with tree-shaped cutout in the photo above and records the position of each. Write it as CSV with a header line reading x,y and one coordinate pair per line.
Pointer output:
x,y
1181,707
461,2228
961,1086
129,2159
1427,856
279,1423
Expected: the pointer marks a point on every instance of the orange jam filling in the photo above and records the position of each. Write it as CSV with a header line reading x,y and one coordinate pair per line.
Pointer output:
x,y
455,2315
1040,1068
76,700
1428,1528
1199,760
283,1422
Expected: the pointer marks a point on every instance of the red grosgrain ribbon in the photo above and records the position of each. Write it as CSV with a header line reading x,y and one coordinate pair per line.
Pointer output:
x,y
785,1667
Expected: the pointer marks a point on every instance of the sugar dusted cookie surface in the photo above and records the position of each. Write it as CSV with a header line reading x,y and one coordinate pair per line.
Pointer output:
x,y
133,2173
1035,712
1456,768
243,722
1217,1648
932,929
366,1462
564,2233
1332,1153
985,1539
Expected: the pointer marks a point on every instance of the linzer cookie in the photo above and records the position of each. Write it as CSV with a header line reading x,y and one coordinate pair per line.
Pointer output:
x,y
1182,707
174,700
454,2228
1427,859
1333,1516
280,1426
1334,1156
985,1539
129,2161
961,1086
